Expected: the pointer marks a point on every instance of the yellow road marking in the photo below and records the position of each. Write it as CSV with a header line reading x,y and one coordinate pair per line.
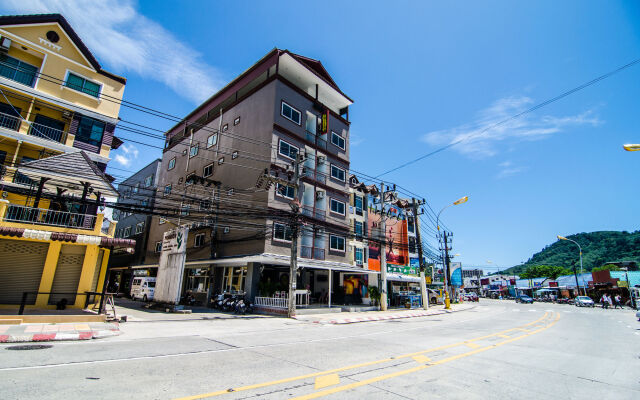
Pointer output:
x,y
473,345
327,380
365,364
504,336
416,369
421,359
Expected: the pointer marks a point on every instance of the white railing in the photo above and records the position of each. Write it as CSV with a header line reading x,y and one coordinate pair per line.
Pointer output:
x,y
272,302
46,132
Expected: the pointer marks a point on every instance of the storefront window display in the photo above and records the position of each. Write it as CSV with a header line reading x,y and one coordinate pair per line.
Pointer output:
x,y
233,279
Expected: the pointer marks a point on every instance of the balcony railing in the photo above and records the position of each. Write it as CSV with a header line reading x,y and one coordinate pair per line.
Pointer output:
x,y
311,252
322,143
318,254
46,132
22,179
41,216
310,212
311,136
9,121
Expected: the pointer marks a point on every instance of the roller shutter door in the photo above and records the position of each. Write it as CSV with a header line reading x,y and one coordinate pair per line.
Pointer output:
x,y
21,265
67,274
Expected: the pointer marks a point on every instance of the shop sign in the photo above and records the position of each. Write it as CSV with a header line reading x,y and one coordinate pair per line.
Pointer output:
x,y
175,240
623,284
140,272
456,273
427,280
403,269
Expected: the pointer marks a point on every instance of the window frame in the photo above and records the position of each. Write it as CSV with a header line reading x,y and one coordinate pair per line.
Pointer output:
x,y
212,142
355,255
344,173
158,250
195,240
166,193
127,231
66,79
344,141
234,155
141,226
187,181
171,164
204,170
344,206
284,231
236,121
359,211
280,141
344,243
279,194
225,127
195,146
282,104
88,140
355,231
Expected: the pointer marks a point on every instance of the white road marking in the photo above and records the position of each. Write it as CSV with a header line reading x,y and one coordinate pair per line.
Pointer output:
x,y
532,310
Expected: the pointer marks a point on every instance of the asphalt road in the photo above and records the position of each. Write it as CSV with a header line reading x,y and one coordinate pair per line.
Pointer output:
x,y
497,350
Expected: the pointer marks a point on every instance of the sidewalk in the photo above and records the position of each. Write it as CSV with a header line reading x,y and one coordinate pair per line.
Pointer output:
x,y
51,332
355,317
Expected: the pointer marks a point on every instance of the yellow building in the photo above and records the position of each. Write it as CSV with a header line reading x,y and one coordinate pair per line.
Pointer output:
x,y
58,112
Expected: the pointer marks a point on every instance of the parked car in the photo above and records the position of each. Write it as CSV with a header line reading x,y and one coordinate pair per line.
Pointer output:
x,y
469,296
523,298
583,301
143,288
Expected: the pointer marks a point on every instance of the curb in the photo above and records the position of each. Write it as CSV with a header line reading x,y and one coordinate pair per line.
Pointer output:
x,y
386,317
52,337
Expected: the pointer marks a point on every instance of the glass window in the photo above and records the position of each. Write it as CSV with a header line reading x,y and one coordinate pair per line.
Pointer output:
x,y
225,127
212,140
282,232
358,228
90,131
337,206
158,247
288,150
148,180
337,173
358,203
185,211
336,243
285,191
172,164
9,116
410,224
199,240
337,140
290,113
167,190
139,227
359,256
194,150
208,170
136,187
234,155
83,85
236,121
127,231
17,70
189,179
221,161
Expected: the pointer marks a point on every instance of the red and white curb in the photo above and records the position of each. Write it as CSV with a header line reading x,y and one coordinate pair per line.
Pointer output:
x,y
382,317
56,336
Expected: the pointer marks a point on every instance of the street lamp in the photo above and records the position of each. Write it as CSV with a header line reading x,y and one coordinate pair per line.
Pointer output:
x,y
631,147
580,248
445,266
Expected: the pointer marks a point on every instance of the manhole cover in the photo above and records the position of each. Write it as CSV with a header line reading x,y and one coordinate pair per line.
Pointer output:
x,y
30,347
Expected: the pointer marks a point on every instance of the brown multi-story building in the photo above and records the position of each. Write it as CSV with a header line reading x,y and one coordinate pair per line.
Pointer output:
x,y
285,105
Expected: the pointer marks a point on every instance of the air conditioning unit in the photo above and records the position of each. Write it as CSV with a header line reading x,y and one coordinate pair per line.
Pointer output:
x,y
321,159
5,44
319,195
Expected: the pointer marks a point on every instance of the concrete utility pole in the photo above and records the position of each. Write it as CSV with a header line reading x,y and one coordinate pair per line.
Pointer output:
x,y
447,299
383,254
423,284
293,265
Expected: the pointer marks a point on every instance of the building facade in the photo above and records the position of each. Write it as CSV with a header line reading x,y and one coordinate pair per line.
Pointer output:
x,y
57,107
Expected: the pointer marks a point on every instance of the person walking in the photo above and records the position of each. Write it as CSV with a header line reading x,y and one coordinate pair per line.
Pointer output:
x,y
605,301
617,301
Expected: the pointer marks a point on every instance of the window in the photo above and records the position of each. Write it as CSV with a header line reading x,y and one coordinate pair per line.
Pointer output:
x,y
127,231
17,70
221,161
358,228
412,244
410,224
337,206
90,131
230,192
337,173
83,85
194,150
212,140
285,191
288,150
358,204
208,170
205,204
358,256
199,240
145,203
189,179
148,181
236,121
234,155
139,227
337,140
336,243
136,188
158,247
226,230
282,232
172,164
225,127
167,190
185,211
290,113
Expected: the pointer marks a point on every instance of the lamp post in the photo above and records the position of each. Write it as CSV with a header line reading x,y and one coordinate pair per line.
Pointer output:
x,y
584,290
631,147
445,259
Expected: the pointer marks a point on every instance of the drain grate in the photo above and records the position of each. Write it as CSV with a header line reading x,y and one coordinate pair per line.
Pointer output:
x,y
30,347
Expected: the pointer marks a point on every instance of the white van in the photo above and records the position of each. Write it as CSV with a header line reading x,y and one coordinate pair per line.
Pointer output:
x,y
142,288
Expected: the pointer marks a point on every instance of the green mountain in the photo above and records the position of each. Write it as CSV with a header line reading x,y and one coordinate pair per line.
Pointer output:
x,y
598,248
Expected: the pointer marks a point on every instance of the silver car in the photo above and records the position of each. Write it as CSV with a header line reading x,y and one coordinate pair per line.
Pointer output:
x,y
583,301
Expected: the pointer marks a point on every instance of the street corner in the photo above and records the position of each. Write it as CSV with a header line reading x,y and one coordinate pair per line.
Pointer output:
x,y
57,332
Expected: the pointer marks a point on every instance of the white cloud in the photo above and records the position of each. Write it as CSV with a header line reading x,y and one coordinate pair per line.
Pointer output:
x,y
126,41
507,169
130,154
355,139
480,141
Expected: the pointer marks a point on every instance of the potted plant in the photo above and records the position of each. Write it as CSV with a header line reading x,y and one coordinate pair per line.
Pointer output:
x,y
374,293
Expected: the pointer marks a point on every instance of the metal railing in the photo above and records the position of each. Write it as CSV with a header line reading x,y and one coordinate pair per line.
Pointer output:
x,y
318,254
41,216
46,132
312,252
9,121
273,302
88,297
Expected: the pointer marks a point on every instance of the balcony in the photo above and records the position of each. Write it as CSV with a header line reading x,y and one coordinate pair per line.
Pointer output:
x,y
41,216
10,122
311,137
311,252
46,132
16,70
321,143
311,212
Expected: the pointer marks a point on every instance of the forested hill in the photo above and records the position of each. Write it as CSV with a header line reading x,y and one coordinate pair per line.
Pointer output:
x,y
597,249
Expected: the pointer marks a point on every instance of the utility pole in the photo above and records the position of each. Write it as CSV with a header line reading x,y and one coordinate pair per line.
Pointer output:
x,y
447,299
423,284
383,254
293,265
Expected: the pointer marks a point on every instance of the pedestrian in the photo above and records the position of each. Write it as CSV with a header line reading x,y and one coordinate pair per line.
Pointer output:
x,y
609,301
617,301
604,301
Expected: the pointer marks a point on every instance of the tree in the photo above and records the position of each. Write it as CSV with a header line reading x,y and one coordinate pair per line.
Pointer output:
x,y
608,267
544,271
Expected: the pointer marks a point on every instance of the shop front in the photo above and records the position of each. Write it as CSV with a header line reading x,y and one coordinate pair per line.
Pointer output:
x,y
404,289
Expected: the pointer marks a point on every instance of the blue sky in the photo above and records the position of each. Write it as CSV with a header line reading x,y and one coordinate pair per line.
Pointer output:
x,y
422,74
